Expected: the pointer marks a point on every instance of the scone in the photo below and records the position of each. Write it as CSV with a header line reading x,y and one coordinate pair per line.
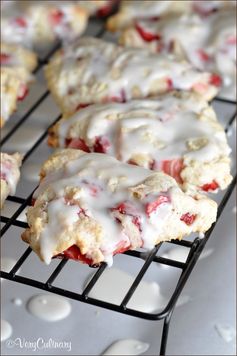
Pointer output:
x,y
90,206
38,24
91,70
131,10
178,134
214,47
17,64
10,174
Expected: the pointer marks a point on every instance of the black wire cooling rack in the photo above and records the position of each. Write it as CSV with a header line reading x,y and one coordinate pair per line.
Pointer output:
x,y
195,247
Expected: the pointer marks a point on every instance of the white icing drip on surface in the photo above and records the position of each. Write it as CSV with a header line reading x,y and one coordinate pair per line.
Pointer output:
x,y
17,301
127,347
226,332
160,129
147,298
49,307
6,330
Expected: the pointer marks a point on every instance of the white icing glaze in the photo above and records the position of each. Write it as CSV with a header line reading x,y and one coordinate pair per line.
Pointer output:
x,y
31,33
214,48
107,71
49,307
6,330
226,332
17,301
127,347
101,185
158,129
147,298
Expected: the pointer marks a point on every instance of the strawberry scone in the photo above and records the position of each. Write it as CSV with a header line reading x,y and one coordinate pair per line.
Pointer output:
x,y
38,24
90,207
178,134
94,71
132,10
10,174
214,48
17,64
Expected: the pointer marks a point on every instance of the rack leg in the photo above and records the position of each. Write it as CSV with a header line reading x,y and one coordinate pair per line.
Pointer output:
x,y
165,333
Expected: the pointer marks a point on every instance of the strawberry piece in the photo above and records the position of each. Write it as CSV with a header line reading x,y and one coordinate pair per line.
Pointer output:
x,y
231,40
203,55
151,207
3,176
216,80
147,36
173,167
81,106
169,84
119,99
127,208
105,10
121,247
77,143
74,253
4,58
20,22
188,218
101,144
23,91
56,17
210,186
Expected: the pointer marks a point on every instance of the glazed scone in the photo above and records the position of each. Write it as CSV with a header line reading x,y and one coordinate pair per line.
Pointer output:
x,y
10,174
214,48
37,24
94,71
17,64
131,10
91,206
178,134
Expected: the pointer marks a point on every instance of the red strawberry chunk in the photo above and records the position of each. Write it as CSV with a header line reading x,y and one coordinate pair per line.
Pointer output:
x,y
20,22
188,218
105,10
77,143
74,253
118,99
231,40
151,207
101,144
23,91
4,58
173,167
203,55
169,84
56,17
81,106
121,247
216,80
127,208
210,186
147,36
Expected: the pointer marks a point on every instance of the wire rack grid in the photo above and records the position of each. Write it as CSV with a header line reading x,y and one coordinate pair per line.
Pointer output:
x,y
195,247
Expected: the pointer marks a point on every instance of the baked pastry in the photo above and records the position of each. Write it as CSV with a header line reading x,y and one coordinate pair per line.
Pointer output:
x,y
91,206
214,48
17,64
131,10
94,71
178,134
10,174
39,23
